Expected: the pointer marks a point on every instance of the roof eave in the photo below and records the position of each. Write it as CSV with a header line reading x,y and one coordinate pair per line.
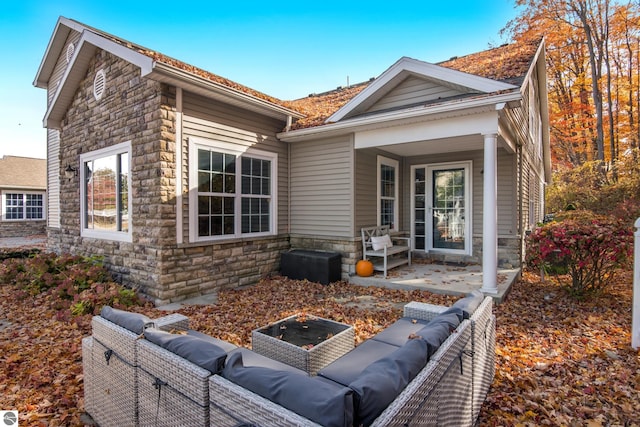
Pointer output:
x,y
426,69
56,44
353,124
181,78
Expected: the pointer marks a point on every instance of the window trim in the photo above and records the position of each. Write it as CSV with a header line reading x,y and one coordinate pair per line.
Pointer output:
x,y
386,161
120,236
233,149
24,210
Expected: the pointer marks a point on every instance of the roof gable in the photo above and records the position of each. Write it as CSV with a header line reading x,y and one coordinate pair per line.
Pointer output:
x,y
434,82
159,66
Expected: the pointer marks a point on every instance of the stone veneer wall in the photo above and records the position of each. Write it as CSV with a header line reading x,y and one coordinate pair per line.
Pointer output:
x,y
143,111
132,109
22,228
349,249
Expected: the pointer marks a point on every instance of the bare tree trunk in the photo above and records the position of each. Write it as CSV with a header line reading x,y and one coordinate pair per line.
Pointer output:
x,y
581,9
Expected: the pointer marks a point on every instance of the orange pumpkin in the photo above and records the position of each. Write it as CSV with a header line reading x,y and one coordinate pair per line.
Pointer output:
x,y
364,268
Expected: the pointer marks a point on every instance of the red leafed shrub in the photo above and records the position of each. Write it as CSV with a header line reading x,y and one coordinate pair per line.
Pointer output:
x,y
587,247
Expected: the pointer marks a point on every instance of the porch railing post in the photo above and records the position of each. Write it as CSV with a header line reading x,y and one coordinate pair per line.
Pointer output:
x,y
635,324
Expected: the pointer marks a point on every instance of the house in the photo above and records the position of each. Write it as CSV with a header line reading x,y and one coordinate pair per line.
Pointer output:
x,y
187,182
23,185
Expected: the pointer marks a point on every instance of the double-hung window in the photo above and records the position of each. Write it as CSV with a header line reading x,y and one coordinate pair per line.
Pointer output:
x,y
387,192
23,206
235,191
105,193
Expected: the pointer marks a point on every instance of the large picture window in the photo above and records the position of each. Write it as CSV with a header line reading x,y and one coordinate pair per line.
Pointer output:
x,y
105,190
23,206
235,192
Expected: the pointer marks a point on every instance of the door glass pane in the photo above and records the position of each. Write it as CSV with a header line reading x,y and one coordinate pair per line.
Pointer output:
x,y
448,209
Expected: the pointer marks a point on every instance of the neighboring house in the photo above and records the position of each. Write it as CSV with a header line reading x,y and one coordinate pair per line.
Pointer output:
x,y
187,182
23,185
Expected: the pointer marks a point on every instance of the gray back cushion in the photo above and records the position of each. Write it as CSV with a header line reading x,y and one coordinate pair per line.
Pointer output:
x,y
470,303
326,403
382,381
202,353
133,322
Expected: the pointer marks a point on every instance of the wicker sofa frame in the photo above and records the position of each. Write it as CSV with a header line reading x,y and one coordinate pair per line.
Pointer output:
x,y
162,389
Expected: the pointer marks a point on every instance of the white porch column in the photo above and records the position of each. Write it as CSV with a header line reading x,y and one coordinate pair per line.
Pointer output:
x,y
490,216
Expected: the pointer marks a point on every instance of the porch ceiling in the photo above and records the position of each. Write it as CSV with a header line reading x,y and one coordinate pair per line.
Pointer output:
x,y
441,145
435,146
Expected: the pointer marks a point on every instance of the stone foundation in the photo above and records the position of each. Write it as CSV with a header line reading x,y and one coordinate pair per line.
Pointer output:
x,y
172,274
22,228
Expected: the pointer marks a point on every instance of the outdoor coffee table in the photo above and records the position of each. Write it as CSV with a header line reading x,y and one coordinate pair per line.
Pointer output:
x,y
303,341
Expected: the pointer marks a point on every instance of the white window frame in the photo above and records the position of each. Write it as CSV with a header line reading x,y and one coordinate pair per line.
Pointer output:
x,y
24,205
239,152
123,148
395,165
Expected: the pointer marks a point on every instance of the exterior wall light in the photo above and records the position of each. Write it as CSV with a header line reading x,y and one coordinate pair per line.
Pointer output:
x,y
70,172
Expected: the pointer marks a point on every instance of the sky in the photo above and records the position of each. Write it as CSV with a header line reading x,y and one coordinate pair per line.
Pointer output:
x,y
285,49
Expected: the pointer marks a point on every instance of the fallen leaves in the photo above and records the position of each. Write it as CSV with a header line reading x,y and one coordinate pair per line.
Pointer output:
x,y
559,361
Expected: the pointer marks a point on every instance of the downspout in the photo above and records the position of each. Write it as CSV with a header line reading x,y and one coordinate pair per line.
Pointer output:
x,y
178,156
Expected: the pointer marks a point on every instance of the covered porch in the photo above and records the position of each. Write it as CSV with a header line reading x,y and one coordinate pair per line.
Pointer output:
x,y
440,278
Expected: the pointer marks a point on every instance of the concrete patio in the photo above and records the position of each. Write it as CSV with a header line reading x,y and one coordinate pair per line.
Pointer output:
x,y
450,279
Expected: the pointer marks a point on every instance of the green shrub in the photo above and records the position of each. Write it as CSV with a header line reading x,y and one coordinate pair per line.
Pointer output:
x,y
589,248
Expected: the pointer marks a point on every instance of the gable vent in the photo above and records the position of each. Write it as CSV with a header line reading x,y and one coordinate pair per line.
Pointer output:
x,y
70,50
99,85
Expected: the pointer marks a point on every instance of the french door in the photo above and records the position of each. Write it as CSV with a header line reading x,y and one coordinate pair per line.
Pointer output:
x,y
441,207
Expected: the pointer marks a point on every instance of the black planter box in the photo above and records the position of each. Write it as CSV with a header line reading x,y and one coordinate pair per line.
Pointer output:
x,y
315,266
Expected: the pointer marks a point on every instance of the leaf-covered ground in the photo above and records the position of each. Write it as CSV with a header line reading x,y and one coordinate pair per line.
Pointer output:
x,y
559,361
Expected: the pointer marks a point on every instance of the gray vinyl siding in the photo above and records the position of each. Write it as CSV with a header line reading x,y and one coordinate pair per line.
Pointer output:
x,y
53,178
366,184
53,140
412,91
322,187
506,187
211,120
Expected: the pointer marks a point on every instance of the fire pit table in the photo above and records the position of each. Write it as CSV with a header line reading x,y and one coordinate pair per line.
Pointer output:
x,y
303,341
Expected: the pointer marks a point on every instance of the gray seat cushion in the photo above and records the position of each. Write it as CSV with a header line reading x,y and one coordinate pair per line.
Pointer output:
x,y
348,367
324,402
252,359
200,352
382,381
470,303
398,333
133,322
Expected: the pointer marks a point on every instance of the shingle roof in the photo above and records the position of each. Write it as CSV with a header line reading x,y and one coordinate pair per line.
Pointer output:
x,y
508,63
159,57
23,172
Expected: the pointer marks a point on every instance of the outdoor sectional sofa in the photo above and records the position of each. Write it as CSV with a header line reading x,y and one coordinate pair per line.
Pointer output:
x,y
433,366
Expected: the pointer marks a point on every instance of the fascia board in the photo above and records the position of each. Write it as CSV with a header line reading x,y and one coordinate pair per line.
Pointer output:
x,y
88,42
351,125
420,68
56,44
